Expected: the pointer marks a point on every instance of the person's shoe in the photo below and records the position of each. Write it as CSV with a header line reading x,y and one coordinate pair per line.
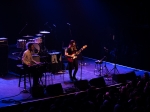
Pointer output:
x,y
75,79
71,79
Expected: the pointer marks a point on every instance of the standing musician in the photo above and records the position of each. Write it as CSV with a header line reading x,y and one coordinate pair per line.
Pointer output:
x,y
72,64
71,54
28,64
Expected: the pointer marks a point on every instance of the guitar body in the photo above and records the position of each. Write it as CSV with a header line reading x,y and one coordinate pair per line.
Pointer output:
x,y
70,59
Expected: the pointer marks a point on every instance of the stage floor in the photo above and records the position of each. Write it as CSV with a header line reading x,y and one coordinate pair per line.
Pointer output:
x,y
9,84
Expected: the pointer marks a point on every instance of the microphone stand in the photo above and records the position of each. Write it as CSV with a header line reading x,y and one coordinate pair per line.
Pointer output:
x,y
55,36
43,37
23,28
115,67
107,71
20,53
70,32
81,61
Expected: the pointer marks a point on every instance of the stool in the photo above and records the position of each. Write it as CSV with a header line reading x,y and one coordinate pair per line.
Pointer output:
x,y
98,67
46,74
23,74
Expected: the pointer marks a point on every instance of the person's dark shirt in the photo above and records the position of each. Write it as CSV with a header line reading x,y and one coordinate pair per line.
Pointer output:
x,y
70,52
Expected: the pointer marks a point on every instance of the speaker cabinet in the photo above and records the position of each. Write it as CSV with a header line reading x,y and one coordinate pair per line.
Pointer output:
x,y
82,85
119,78
98,82
3,59
131,76
54,90
37,92
122,78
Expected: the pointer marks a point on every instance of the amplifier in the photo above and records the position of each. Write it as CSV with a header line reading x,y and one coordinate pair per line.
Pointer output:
x,y
3,41
3,56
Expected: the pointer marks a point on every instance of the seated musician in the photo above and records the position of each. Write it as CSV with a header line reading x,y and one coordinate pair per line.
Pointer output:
x,y
29,64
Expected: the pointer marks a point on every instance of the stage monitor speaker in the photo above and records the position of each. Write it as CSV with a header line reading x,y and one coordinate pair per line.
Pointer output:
x,y
37,92
130,76
3,59
54,90
119,78
82,85
98,82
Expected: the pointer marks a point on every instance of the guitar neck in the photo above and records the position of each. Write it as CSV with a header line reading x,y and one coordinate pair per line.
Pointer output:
x,y
78,52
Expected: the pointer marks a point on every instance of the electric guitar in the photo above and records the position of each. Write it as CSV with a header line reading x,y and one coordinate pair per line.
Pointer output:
x,y
70,59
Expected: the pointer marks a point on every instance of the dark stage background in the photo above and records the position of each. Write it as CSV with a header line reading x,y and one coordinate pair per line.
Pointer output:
x,y
93,22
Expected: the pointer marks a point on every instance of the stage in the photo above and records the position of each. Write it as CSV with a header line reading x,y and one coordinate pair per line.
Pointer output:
x,y
9,89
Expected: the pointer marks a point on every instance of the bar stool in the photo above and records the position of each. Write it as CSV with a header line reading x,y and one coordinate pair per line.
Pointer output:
x,y
47,75
98,67
23,74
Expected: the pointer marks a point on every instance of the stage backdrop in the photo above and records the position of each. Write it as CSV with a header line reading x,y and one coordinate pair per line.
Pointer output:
x,y
91,22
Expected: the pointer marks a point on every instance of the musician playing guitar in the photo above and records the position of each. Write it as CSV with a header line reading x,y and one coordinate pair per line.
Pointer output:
x,y
71,54
28,63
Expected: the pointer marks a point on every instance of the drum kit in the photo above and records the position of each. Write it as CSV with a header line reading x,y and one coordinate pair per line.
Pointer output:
x,y
37,41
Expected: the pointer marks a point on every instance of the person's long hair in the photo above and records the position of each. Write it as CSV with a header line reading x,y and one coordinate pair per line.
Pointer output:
x,y
71,45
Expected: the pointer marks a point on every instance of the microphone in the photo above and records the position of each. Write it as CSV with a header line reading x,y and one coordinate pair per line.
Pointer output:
x,y
68,24
54,25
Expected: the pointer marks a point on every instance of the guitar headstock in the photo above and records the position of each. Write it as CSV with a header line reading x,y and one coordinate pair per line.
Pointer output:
x,y
85,46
